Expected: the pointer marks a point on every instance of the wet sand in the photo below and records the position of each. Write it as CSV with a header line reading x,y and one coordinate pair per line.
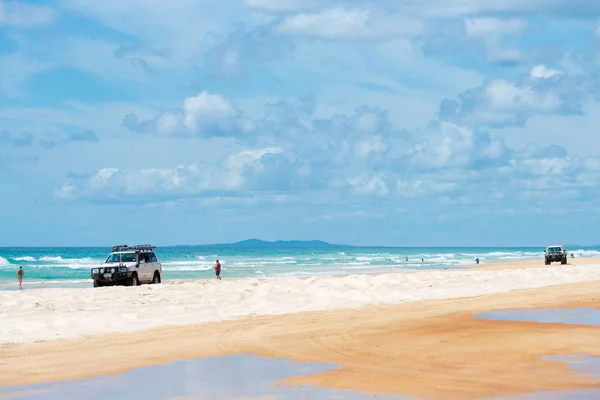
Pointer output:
x,y
536,263
435,349
239,377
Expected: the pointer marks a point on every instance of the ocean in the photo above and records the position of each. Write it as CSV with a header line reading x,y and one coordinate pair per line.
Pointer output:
x,y
57,266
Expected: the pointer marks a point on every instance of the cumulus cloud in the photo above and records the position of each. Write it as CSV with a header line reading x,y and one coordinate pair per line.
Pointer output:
x,y
449,146
362,155
340,23
500,103
203,115
443,8
155,184
539,72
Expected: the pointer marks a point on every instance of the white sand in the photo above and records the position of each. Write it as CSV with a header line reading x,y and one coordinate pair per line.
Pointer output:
x,y
46,314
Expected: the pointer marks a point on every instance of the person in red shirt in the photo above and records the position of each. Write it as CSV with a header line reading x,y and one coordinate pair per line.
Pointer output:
x,y
218,269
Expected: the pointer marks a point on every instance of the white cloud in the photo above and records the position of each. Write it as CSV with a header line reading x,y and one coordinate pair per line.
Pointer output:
x,y
206,106
504,96
339,23
500,103
369,145
357,156
17,13
443,8
494,26
451,146
542,72
371,184
282,5
493,30
152,185
203,115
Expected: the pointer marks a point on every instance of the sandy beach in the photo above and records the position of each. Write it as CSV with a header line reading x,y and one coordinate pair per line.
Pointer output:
x,y
410,334
536,263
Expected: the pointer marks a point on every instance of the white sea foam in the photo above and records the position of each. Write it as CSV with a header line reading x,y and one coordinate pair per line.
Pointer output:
x,y
186,268
55,283
58,260
25,258
4,262
586,253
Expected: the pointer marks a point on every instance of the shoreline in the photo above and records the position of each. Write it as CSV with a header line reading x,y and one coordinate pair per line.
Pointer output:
x,y
393,269
417,349
532,263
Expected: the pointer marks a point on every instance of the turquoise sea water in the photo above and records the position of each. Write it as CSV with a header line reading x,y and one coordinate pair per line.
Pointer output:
x,y
72,265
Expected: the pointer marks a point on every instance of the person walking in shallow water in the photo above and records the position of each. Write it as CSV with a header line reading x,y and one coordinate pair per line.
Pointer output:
x,y
218,270
20,274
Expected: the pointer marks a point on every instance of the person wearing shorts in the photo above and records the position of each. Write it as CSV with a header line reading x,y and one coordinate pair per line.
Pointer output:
x,y
20,274
218,269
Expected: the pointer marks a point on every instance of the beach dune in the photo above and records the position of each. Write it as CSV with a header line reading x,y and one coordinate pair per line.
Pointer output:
x,y
48,314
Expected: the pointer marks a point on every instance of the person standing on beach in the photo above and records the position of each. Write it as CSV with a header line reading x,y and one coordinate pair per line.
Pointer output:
x,y
218,270
20,274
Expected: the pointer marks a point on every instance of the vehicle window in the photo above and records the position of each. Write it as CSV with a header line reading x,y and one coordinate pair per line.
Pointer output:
x,y
152,257
120,257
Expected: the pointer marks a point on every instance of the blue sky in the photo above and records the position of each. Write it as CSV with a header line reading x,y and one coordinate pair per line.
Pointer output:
x,y
389,122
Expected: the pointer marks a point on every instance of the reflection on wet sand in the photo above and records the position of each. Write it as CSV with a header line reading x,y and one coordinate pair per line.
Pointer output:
x,y
572,316
217,378
581,363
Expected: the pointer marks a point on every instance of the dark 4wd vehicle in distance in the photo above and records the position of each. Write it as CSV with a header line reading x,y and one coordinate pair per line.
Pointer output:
x,y
555,254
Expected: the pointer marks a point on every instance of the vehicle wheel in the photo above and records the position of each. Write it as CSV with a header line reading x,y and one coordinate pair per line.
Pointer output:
x,y
97,284
546,261
563,261
156,278
133,280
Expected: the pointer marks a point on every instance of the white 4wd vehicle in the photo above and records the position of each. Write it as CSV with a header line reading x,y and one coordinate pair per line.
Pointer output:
x,y
554,254
129,266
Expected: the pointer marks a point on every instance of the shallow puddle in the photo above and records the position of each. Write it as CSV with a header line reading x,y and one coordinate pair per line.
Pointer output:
x,y
579,363
239,377
573,316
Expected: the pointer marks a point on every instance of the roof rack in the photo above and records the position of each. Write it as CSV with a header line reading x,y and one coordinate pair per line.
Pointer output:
x,y
142,247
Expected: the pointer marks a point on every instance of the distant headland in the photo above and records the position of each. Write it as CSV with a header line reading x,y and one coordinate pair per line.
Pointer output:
x,y
287,244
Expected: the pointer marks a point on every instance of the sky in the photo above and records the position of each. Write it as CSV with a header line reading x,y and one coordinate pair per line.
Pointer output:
x,y
389,122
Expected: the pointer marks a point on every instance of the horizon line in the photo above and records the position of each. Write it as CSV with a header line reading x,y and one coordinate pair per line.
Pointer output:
x,y
324,244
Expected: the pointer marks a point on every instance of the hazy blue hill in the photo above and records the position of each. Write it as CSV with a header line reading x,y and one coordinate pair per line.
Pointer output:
x,y
262,244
